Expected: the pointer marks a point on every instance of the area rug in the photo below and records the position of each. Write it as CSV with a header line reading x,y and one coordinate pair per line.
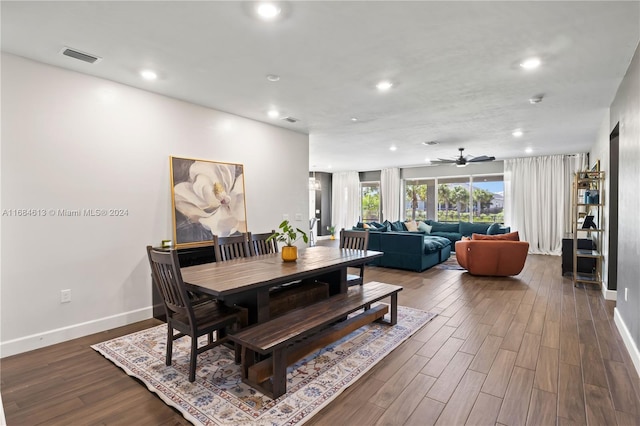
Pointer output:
x,y
218,396
451,263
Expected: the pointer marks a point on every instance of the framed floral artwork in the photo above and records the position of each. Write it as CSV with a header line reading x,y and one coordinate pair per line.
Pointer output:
x,y
207,198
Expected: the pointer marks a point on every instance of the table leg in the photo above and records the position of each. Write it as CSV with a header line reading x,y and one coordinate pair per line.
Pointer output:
x,y
394,309
262,305
343,280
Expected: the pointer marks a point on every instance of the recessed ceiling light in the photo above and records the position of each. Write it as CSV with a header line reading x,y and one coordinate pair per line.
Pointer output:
x,y
530,63
393,148
528,150
427,160
267,11
273,113
273,77
148,74
517,133
329,166
354,119
384,85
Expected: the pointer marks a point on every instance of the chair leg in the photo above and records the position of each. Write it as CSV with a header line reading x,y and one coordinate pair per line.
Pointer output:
x,y
167,360
192,360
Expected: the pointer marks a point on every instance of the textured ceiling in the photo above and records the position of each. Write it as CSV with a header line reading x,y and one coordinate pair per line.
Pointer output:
x,y
455,68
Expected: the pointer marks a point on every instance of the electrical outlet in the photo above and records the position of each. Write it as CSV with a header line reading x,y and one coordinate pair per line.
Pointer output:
x,y
298,217
65,296
626,293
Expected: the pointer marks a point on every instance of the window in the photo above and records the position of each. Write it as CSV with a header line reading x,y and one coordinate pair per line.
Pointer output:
x,y
488,198
370,201
415,199
453,199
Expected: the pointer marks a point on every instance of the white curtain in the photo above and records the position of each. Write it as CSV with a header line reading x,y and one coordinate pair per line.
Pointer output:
x,y
390,186
345,200
538,199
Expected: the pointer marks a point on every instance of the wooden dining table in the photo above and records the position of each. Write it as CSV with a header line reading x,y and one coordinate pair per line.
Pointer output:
x,y
246,281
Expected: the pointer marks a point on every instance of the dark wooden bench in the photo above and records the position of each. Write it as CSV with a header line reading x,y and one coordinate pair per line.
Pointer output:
x,y
300,332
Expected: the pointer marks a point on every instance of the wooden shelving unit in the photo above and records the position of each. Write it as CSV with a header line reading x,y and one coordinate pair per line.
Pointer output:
x,y
587,217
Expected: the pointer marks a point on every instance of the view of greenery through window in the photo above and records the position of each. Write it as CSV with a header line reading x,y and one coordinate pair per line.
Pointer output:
x,y
370,192
416,199
479,201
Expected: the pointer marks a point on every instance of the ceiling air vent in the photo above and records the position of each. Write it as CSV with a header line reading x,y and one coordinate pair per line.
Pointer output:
x,y
290,119
73,53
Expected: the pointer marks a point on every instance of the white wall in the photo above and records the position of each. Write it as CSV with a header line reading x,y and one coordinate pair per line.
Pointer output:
x,y
625,110
72,141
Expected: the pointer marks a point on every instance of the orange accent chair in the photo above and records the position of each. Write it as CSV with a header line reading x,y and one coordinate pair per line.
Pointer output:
x,y
501,256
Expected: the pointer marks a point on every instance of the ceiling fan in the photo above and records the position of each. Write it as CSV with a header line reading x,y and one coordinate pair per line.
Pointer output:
x,y
462,160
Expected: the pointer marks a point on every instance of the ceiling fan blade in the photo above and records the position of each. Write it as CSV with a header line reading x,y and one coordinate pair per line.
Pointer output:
x,y
444,160
481,158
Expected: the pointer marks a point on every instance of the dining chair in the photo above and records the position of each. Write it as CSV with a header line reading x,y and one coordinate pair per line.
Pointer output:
x,y
229,248
258,243
190,320
355,240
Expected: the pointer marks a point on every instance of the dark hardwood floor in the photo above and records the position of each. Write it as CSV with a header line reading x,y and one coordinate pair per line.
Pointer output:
x,y
503,351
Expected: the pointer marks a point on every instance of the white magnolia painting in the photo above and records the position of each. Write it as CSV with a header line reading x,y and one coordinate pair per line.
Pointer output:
x,y
208,198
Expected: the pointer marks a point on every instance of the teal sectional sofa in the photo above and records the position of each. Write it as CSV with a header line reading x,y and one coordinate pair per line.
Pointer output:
x,y
414,251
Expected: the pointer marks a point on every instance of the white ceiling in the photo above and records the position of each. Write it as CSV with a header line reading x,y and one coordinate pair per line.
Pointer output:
x,y
455,68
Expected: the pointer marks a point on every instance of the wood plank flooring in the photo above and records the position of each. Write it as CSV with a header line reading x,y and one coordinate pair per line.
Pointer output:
x,y
526,350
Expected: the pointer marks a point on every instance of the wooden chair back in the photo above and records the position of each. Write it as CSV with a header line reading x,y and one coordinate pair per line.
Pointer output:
x,y
354,240
165,269
258,243
229,248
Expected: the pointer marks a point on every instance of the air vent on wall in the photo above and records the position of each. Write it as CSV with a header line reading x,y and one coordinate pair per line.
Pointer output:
x,y
290,119
73,53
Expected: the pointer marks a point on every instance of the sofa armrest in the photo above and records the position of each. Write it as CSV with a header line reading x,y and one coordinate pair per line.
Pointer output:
x,y
461,252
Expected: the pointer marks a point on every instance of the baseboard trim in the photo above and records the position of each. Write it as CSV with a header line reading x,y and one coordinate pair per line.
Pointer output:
x,y
609,294
58,335
628,340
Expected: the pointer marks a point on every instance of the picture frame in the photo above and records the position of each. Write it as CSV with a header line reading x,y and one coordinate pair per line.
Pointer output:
x,y
207,198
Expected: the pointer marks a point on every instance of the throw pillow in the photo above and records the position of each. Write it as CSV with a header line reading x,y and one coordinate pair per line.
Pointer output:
x,y
424,227
411,225
366,226
466,239
511,236
493,229
397,226
386,227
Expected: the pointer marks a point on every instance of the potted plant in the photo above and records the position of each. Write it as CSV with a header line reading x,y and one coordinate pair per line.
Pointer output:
x,y
332,231
288,235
